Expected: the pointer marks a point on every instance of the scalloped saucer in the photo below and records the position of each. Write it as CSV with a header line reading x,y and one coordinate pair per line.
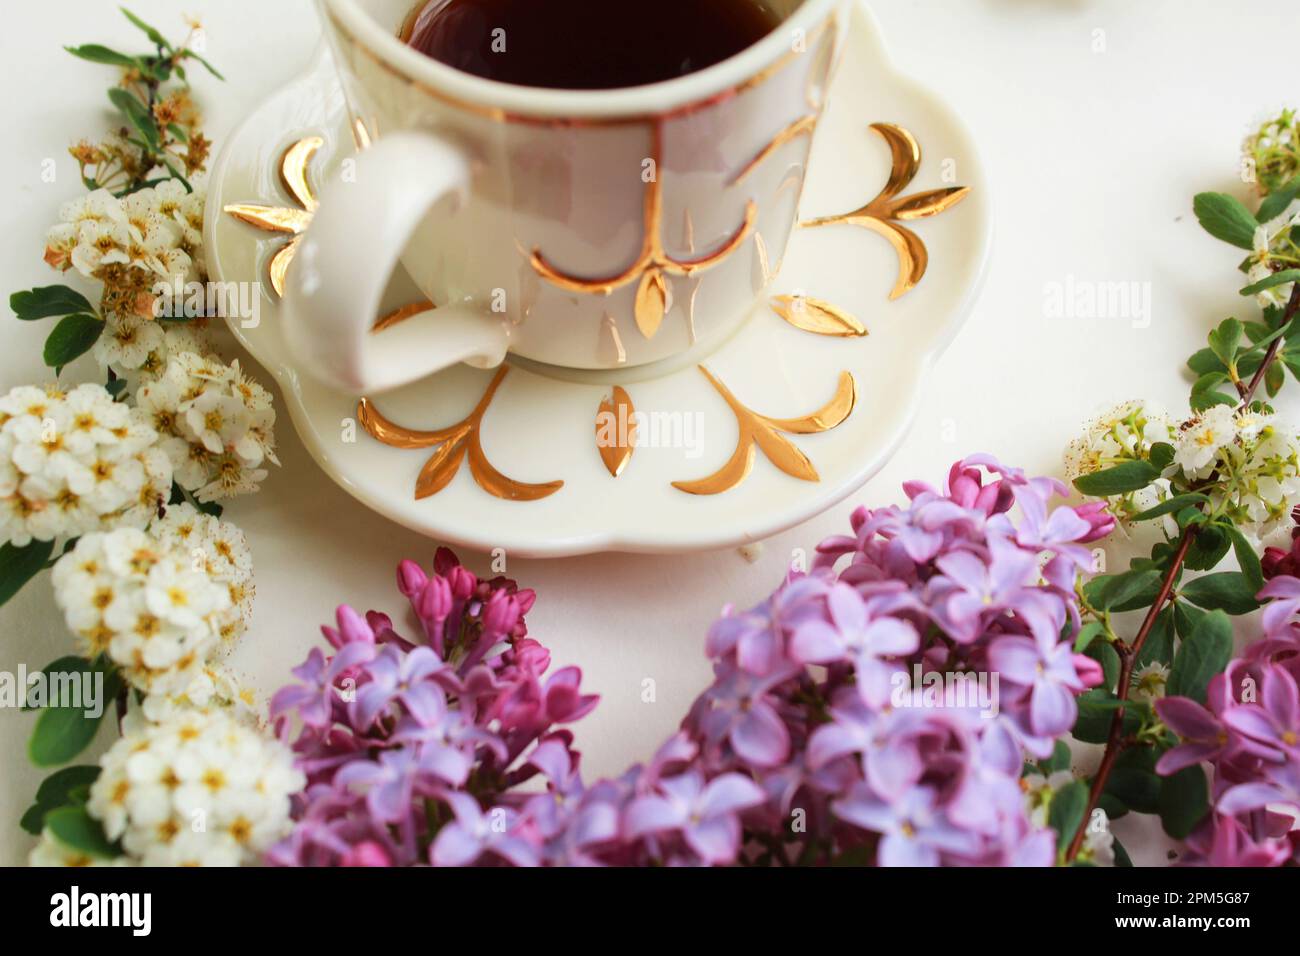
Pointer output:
x,y
786,418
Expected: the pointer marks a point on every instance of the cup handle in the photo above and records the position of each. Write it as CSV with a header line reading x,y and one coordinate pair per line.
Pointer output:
x,y
344,261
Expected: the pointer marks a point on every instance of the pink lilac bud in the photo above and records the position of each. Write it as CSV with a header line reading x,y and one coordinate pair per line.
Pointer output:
x,y
410,579
1089,671
1099,519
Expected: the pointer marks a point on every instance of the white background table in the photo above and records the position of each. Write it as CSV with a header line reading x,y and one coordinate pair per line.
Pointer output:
x,y
1098,122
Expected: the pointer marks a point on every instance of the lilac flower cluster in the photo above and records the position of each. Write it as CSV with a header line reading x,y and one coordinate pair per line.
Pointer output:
x,y
877,708
885,710
1249,732
402,742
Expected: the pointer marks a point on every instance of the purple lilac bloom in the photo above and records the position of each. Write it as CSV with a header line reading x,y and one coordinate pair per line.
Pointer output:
x,y
1248,734
455,745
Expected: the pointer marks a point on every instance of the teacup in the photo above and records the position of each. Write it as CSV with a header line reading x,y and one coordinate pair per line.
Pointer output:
x,y
597,229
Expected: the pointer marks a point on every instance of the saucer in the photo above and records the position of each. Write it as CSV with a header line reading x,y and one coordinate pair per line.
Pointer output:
x,y
786,418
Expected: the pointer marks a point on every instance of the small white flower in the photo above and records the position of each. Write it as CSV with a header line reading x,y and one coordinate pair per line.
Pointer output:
x,y
1199,444
1099,845
196,788
100,243
75,462
144,604
1149,682
1122,433
1270,240
214,689
127,342
220,424
221,550
98,206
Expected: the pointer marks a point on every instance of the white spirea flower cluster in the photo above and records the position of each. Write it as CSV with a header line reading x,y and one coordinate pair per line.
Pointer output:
x,y
221,550
132,344
217,425
215,690
158,230
1123,433
197,789
1254,459
51,852
1273,241
152,609
76,462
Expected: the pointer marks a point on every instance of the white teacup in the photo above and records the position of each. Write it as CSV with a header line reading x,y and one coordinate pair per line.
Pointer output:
x,y
585,229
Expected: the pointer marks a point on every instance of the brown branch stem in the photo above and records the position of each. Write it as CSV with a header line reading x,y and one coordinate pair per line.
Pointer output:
x,y
1128,655
1292,306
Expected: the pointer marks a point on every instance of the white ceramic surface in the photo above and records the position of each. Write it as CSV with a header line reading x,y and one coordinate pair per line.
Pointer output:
x,y
542,220
541,429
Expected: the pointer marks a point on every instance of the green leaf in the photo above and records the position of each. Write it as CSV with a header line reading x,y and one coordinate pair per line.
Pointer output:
x,y
1209,381
1059,760
62,788
1104,653
1203,653
1186,618
1225,339
155,37
1275,203
1224,217
1087,634
1202,400
1121,855
1124,477
178,133
1161,455
1204,362
1247,557
1257,331
1276,279
80,832
45,301
20,565
1096,708
191,55
137,114
1170,505
1274,379
1208,549
1159,645
1226,591
71,338
102,54
1112,806
1118,592
1134,781
63,732
1066,813
1184,801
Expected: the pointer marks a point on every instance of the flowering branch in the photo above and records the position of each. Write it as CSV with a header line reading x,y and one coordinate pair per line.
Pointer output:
x,y
1227,472
1128,654
1292,307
